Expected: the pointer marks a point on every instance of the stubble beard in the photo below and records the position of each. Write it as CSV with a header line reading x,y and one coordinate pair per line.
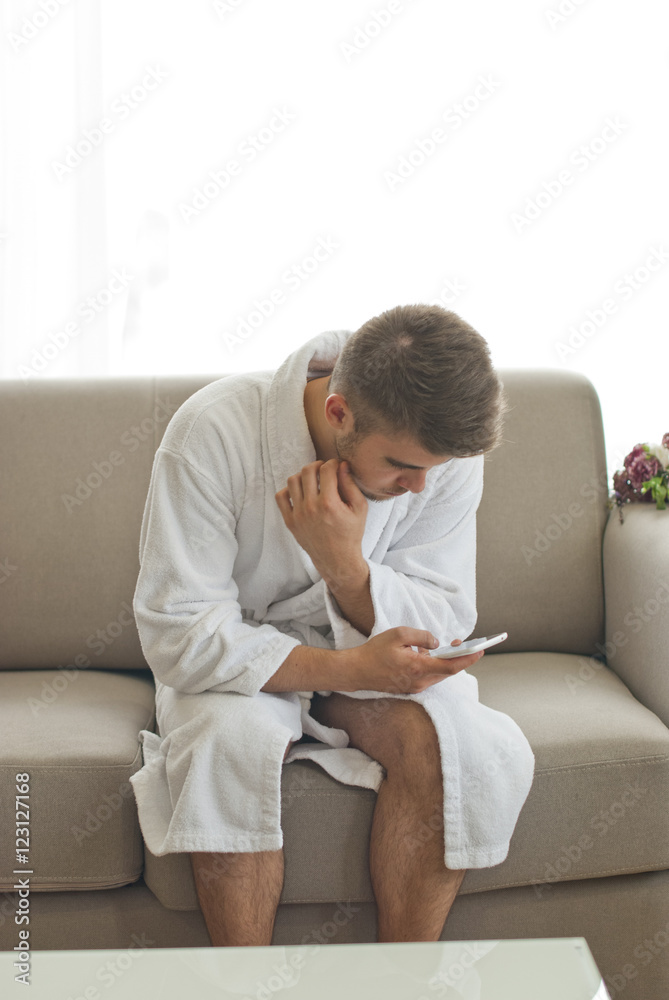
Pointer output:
x,y
345,446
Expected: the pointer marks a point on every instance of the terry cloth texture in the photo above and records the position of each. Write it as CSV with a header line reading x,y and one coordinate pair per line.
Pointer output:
x,y
225,592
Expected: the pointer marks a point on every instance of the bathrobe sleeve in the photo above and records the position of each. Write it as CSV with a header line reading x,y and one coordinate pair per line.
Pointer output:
x,y
427,577
190,623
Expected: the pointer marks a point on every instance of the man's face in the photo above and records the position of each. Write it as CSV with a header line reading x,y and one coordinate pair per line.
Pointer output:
x,y
383,467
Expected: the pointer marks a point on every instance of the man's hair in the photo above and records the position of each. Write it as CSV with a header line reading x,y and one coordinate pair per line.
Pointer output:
x,y
421,370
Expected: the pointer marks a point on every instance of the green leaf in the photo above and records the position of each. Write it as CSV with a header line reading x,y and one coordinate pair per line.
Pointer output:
x,y
651,484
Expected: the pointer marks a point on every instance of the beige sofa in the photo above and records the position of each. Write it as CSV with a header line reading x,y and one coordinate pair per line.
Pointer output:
x,y
585,601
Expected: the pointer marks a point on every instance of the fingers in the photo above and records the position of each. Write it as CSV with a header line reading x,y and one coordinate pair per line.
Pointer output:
x,y
308,481
294,487
314,478
305,486
415,637
456,664
426,673
283,503
329,476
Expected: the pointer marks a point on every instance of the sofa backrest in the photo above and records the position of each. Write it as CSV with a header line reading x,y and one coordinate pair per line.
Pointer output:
x,y
76,458
541,520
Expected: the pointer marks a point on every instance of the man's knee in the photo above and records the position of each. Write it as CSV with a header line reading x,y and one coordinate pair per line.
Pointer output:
x,y
407,740
418,759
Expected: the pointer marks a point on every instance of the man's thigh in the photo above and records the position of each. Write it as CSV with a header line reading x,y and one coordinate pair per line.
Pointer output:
x,y
395,732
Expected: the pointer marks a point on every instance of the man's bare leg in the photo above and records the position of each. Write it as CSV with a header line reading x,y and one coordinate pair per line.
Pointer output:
x,y
239,894
414,890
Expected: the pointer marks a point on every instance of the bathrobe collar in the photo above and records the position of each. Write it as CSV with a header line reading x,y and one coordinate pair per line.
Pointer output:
x,y
288,434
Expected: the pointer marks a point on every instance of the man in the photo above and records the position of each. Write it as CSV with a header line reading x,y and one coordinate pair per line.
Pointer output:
x,y
308,536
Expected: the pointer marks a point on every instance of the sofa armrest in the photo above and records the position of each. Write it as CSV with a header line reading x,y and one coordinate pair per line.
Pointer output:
x,y
636,595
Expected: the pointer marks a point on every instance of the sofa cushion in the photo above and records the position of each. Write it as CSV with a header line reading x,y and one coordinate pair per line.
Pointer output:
x,y
75,734
599,804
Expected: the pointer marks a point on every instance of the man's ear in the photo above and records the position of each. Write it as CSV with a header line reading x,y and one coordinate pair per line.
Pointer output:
x,y
338,413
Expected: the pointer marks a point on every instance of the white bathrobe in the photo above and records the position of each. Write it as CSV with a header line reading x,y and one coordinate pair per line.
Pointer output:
x,y
225,592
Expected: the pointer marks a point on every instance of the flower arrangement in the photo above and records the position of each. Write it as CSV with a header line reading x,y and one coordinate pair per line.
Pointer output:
x,y
644,477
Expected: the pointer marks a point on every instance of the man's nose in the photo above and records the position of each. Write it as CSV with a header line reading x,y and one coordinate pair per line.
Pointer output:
x,y
413,481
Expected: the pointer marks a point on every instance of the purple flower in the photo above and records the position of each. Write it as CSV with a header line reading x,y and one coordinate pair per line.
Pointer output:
x,y
641,469
665,440
637,452
623,490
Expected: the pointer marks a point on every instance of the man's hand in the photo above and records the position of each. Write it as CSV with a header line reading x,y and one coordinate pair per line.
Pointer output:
x,y
326,512
387,662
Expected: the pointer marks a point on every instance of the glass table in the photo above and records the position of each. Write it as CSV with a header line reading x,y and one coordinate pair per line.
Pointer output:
x,y
527,969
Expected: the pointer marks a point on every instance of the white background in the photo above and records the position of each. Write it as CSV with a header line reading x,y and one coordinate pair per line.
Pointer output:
x,y
361,95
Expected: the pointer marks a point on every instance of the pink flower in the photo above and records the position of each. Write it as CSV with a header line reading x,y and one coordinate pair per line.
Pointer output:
x,y
640,469
665,440
637,451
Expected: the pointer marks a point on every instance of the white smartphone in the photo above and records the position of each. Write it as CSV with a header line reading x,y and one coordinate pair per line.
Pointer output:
x,y
470,646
